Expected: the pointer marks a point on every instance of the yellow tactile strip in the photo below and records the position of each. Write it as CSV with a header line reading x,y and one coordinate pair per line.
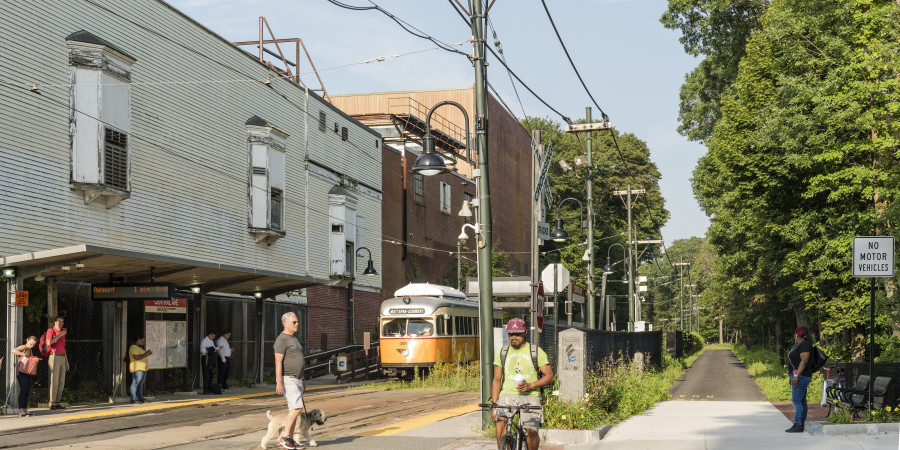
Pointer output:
x,y
160,406
420,421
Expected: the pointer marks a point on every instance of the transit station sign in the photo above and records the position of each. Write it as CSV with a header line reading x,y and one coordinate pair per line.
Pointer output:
x,y
873,256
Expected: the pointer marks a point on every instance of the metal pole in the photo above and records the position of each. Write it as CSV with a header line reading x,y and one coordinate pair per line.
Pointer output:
x,y
535,217
458,265
872,344
591,323
630,274
681,296
605,302
485,281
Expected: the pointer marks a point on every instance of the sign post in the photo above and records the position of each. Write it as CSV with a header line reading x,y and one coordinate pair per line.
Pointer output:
x,y
540,306
873,257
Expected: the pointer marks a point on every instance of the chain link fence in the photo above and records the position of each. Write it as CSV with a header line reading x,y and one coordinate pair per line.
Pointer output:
x,y
239,316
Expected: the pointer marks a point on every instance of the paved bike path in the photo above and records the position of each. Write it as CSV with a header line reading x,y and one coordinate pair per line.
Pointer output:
x,y
717,375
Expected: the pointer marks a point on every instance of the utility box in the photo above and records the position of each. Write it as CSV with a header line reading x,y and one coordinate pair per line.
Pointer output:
x,y
342,363
572,364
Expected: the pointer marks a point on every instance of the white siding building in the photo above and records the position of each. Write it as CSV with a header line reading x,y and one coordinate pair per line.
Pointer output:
x,y
137,145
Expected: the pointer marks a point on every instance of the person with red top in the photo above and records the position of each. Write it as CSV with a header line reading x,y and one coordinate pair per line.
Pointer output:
x,y
58,363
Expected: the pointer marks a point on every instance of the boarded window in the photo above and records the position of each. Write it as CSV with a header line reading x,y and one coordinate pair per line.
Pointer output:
x,y
115,159
276,208
345,134
445,198
323,125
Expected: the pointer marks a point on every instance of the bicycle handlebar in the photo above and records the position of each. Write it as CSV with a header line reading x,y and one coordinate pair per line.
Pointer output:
x,y
511,408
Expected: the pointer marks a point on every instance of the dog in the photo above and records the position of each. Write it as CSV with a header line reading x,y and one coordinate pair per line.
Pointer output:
x,y
304,421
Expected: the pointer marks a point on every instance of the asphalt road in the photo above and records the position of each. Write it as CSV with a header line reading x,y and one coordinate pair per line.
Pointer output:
x,y
717,375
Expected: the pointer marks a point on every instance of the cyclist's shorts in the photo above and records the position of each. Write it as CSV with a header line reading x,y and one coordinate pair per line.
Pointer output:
x,y
530,420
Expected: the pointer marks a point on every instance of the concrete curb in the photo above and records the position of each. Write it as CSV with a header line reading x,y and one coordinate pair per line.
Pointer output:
x,y
821,429
574,436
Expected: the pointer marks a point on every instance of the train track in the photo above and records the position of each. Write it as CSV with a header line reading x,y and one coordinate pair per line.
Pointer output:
x,y
349,412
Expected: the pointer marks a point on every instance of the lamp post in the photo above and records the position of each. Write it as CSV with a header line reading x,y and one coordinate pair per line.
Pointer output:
x,y
608,270
559,233
370,270
485,280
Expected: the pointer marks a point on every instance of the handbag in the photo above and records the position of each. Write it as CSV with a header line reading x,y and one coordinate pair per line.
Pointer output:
x,y
28,365
818,359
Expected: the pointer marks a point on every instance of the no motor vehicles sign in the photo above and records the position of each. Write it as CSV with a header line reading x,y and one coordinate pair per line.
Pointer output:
x,y
873,256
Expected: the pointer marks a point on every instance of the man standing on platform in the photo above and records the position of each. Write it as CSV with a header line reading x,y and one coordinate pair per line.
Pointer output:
x,y
224,359
58,362
208,360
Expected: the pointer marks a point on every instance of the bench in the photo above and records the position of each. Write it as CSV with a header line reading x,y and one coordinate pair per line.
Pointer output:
x,y
856,399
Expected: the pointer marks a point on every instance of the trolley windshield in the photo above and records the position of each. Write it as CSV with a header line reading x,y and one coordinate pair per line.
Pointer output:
x,y
407,328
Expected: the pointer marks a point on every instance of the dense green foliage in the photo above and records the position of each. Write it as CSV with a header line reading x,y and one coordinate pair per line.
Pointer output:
x,y
802,156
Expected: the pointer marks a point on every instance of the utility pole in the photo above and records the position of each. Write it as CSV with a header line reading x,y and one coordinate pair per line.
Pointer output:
x,y
630,254
588,165
485,281
681,266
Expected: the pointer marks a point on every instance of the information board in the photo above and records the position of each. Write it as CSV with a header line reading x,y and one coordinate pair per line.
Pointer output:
x,y
168,340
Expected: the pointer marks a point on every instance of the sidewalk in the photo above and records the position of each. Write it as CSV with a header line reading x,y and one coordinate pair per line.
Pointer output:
x,y
43,417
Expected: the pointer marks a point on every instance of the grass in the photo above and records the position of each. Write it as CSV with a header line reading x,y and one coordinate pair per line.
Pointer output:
x,y
464,377
771,375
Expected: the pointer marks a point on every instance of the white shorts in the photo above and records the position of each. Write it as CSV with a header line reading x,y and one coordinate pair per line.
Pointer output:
x,y
293,392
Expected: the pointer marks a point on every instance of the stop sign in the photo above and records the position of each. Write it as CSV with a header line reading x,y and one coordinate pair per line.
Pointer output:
x,y
539,306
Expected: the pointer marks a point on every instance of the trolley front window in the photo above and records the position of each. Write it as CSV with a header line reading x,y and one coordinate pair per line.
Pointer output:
x,y
407,328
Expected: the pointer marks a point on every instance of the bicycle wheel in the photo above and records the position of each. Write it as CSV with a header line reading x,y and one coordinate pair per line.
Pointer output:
x,y
507,443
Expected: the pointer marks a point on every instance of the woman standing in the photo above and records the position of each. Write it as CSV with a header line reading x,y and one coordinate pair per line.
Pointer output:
x,y
138,368
24,379
800,375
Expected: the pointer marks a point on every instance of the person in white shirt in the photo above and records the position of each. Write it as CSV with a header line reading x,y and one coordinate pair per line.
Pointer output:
x,y
224,358
207,359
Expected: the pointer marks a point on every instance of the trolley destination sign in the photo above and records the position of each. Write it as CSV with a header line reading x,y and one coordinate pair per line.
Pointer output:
x,y
136,291
873,256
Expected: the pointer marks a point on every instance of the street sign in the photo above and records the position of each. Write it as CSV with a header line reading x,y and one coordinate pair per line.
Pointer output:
x,y
578,293
543,230
21,298
539,307
873,256
562,278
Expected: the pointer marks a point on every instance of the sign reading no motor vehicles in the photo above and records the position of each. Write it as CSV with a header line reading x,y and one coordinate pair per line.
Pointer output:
x,y
873,256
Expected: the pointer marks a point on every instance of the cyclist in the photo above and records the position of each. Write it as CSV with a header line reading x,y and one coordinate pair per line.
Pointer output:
x,y
517,381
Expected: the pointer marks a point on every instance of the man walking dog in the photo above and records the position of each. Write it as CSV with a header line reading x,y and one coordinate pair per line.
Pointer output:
x,y
289,376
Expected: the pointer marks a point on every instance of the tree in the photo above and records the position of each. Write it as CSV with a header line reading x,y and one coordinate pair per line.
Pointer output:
x,y
716,30
804,157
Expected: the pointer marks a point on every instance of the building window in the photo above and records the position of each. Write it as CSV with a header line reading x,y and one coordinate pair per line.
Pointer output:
x,y
468,198
445,198
323,125
99,118
276,205
345,134
115,159
419,189
267,179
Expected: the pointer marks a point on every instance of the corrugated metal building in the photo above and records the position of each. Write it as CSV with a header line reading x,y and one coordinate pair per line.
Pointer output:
x,y
139,146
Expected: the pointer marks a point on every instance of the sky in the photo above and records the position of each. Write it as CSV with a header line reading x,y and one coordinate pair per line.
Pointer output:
x,y
632,66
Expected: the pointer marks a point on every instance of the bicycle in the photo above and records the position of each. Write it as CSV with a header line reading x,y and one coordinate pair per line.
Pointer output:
x,y
831,386
515,437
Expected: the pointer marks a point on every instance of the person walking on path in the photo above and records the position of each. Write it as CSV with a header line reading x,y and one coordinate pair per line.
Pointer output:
x,y
58,362
516,382
799,376
224,358
207,359
138,367
289,361
24,379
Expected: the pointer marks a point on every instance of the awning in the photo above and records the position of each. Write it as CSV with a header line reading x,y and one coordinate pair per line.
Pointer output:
x,y
103,265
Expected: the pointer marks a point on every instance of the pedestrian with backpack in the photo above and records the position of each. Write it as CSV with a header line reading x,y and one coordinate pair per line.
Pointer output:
x,y
800,375
55,341
520,371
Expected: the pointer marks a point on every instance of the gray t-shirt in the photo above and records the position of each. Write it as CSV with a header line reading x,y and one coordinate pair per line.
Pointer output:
x,y
289,346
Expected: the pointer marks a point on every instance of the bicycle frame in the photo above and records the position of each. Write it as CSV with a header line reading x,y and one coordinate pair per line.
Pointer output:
x,y
514,429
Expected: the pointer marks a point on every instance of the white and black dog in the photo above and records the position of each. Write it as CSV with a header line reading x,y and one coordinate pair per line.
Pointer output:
x,y
305,420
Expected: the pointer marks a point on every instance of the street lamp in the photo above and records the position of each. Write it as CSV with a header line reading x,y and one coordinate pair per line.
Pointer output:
x,y
607,270
429,162
559,234
370,270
